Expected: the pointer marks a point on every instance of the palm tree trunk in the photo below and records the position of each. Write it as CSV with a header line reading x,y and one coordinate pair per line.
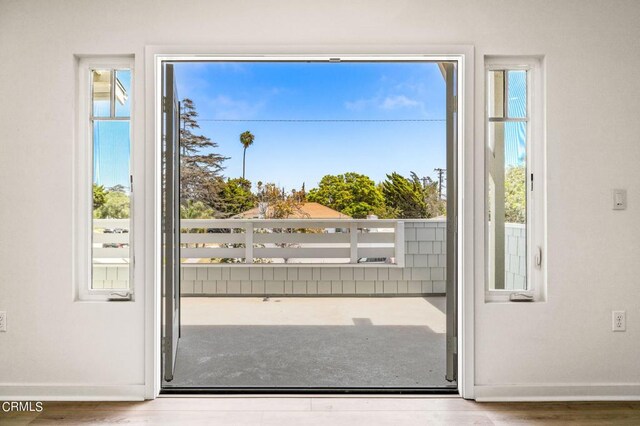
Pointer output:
x,y
244,155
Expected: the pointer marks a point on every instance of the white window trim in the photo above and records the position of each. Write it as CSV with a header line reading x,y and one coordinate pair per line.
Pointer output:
x,y
536,165
82,225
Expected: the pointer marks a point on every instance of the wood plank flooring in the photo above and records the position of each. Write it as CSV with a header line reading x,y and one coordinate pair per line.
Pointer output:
x,y
333,411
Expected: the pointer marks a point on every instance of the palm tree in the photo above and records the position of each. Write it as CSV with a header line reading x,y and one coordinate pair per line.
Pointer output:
x,y
246,139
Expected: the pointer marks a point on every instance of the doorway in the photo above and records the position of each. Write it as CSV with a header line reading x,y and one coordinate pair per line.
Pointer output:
x,y
276,287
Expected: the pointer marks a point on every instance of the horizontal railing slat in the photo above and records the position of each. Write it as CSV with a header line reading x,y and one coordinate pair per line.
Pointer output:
x,y
211,223
209,252
300,224
110,238
301,252
376,237
211,238
110,253
111,223
324,238
287,223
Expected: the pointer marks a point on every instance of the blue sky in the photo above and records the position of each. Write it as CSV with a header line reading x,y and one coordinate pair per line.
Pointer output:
x,y
111,139
515,143
290,153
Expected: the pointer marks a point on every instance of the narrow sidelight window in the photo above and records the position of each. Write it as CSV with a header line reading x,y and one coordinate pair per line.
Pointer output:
x,y
514,177
111,180
105,182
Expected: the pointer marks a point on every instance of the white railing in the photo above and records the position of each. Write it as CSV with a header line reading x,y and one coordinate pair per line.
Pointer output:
x,y
293,240
111,239
296,241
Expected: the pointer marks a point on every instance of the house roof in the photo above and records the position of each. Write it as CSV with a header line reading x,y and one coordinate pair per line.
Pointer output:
x,y
307,211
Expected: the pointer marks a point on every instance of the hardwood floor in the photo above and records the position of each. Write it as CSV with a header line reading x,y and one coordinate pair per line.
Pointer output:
x,y
333,411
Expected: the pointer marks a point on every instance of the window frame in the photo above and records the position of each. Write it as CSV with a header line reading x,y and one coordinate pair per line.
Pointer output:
x,y
83,179
535,166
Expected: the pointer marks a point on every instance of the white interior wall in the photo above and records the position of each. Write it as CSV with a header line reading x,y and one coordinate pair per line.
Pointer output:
x,y
563,347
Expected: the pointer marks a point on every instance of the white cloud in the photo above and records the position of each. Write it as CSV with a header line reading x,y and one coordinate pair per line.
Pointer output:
x,y
359,104
387,103
226,108
400,101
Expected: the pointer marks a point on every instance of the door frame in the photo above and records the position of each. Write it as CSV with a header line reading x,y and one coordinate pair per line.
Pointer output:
x,y
467,225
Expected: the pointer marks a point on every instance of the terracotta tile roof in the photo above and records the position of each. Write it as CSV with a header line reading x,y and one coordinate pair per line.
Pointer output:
x,y
307,211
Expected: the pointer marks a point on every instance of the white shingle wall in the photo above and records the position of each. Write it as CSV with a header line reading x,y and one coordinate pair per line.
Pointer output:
x,y
515,260
424,273
110,277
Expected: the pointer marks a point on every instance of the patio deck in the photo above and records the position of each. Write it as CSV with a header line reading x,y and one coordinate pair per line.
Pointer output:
x,y
312,342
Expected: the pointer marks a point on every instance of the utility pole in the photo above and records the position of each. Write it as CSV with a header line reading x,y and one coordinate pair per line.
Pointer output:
x,y
440,179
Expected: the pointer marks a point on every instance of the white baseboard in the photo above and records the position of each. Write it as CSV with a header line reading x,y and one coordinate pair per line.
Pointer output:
x,y
559,392
71,392
483,393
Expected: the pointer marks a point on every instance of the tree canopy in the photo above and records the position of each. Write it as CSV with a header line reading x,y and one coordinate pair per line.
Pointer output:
x,y
200,167
412,197
99,194
515,197
236,197
196,210
278,203
351,193
116,206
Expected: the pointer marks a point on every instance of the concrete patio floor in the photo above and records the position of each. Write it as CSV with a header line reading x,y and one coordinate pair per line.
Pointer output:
x,y
311,342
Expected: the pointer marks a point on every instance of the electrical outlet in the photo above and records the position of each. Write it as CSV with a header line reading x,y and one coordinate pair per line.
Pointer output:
x,y
3,321
619,319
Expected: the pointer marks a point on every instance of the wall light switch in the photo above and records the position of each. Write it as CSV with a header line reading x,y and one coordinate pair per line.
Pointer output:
x,y
619,199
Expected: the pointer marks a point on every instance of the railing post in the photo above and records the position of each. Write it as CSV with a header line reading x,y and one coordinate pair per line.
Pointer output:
x,y
248,243
399,249
353,236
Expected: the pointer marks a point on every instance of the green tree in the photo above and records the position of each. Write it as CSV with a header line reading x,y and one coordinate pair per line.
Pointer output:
x,y
116,206
236,197
246,139
200,167
278,204
99,195
351,193
412,198
436,206
196,210
118,188
515,198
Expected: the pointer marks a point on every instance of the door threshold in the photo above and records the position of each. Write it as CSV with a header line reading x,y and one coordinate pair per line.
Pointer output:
x,y
443,391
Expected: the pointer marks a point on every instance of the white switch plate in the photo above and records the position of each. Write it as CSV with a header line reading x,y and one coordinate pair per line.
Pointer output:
x,y
619,199
3,321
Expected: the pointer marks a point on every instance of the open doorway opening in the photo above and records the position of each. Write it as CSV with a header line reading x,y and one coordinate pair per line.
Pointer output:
x,y
309,211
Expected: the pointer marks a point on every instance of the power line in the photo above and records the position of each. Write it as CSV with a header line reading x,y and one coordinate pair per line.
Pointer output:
x,y
321,120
